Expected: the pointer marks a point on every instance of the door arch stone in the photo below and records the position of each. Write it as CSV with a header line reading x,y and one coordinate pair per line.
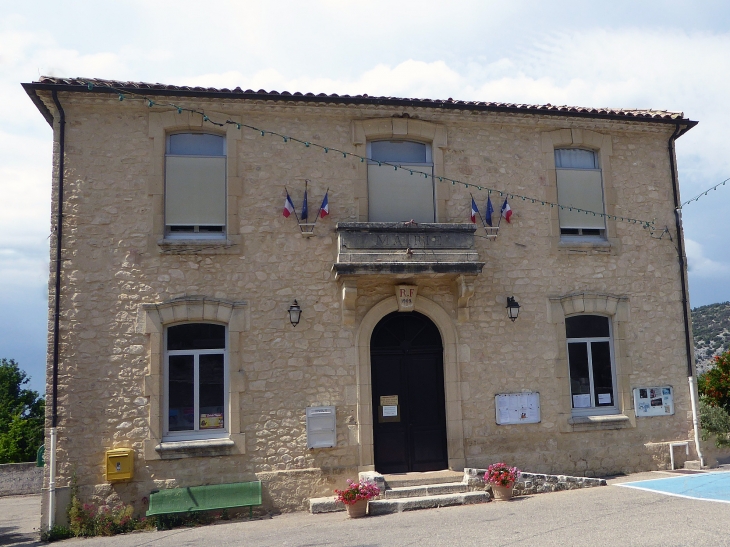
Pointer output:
x,y
452,381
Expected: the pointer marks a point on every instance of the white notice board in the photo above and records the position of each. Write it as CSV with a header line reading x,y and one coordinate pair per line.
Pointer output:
x,y
654,401
517,408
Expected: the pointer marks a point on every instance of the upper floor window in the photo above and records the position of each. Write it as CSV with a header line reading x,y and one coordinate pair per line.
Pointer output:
x,y
195,185
590,359
404,193
195,381
580,187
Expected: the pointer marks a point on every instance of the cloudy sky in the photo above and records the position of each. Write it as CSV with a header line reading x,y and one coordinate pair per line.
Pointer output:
x,y
669,54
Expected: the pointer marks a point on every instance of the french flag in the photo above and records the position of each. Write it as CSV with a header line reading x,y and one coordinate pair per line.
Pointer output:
x,y
325,209
474,211
288,206
506,210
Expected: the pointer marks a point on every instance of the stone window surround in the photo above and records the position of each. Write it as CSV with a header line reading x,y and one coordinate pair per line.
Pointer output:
x,y
452,381
161,124
152,321
403,128
616,308
603,146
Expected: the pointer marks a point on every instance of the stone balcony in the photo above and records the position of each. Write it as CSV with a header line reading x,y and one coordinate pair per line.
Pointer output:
x,y
406,252
401,248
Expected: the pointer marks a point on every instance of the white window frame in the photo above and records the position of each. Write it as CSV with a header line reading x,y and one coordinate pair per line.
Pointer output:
x,y
581,236
196,434
594,410
425,166
196,233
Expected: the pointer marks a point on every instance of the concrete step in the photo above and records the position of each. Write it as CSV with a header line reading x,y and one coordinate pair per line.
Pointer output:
x,y
425,490
693,464
386,506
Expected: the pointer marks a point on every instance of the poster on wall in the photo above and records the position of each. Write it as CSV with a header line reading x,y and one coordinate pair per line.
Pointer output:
x,y
517,408
654,401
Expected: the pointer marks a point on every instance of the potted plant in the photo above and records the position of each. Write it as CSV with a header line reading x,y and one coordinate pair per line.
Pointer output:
x,y
502,479
356,496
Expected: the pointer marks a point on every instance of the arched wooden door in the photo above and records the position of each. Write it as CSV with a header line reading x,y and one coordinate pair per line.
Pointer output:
x,y
409,414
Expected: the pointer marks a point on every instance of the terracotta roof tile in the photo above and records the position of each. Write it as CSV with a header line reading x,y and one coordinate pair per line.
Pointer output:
x,y
80,84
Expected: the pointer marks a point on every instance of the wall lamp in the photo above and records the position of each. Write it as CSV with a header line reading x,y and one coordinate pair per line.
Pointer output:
x,y
513,308
295,313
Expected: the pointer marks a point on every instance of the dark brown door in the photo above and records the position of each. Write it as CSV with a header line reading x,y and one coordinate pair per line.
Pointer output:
x,y
409,417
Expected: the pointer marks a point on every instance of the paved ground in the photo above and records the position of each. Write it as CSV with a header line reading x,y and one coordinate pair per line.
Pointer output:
x,y
20,518
605,516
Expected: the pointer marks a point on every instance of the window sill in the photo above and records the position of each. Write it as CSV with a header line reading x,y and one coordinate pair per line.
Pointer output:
x,y
599,422
173,450
587,245
192,245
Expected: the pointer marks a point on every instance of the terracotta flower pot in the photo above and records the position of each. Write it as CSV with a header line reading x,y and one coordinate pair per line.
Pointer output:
x,y
502,493
357,509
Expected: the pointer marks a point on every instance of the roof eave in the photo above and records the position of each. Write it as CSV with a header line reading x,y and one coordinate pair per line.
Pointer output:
x,y
31,90
358,100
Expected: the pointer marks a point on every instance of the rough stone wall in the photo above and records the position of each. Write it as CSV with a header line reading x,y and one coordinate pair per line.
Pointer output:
x,y
20,478
111,267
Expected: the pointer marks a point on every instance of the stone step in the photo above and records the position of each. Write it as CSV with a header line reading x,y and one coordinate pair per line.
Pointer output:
x,y
399,480
386,506
408,498
693,464
425,490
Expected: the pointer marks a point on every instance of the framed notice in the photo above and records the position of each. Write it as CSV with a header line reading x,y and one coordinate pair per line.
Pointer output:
x,y
517,408
654,401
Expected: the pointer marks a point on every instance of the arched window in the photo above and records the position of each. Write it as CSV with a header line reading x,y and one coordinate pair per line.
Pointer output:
x,y
580,189
196,381
592,370
195,185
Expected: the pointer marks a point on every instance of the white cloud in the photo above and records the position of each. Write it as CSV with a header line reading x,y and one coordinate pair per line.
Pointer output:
x,y
700,265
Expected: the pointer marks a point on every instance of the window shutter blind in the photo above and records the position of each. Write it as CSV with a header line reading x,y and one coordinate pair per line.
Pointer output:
x,y
580,188
395,196
195,192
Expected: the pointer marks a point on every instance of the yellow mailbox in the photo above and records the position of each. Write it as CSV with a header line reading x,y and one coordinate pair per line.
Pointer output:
x,y
119,464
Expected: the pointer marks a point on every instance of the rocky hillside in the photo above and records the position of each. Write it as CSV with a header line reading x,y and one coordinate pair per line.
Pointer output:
x,y
711,328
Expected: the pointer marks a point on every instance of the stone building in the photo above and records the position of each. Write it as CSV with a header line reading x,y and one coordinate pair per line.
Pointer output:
x,y
178,271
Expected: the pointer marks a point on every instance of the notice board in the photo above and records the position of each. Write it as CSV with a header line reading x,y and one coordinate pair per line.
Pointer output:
x,y
517,408
654,401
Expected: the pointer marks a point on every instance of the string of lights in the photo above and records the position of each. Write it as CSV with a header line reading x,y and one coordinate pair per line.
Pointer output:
x,y
702,194
128,95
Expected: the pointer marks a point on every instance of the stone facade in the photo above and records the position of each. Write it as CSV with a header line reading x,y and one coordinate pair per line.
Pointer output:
x,y
123,283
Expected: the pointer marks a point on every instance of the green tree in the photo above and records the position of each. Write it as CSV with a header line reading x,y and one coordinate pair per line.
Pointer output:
x,y
22,414
714,389
714,384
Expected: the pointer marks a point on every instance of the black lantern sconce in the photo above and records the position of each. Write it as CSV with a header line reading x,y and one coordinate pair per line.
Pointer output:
x,y
295,313
513,308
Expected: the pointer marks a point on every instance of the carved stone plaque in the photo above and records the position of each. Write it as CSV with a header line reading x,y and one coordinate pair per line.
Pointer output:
x,y
406,295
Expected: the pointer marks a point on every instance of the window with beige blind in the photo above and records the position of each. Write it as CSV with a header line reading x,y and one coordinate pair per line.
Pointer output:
x,y
580,193
195,185
403,193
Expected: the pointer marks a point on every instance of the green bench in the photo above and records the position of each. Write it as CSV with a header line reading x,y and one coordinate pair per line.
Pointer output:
x,y
205,498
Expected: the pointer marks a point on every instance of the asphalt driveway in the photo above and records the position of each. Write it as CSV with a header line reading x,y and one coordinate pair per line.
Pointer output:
x,y
604,516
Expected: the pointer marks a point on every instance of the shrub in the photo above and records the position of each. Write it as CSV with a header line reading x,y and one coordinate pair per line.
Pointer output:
x,y
715,420
86,519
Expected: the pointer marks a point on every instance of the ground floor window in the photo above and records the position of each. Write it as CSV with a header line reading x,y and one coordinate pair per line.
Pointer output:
x,y
591,363
195,381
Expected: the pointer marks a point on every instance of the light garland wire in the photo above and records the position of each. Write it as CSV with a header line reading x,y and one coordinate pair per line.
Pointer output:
x,y
286,138
702,194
